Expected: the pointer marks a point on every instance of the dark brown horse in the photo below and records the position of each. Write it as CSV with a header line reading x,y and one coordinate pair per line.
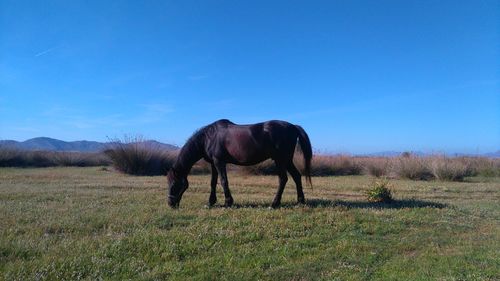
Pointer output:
x,y
224,142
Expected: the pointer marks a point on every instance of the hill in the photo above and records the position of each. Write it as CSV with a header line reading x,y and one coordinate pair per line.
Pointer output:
x,y
50,144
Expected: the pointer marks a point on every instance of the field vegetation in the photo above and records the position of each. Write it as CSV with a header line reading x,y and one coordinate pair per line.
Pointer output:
x,y
93,223
23,158
136,157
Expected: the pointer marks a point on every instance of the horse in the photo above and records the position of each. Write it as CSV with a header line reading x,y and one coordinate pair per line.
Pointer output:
x,y
224,142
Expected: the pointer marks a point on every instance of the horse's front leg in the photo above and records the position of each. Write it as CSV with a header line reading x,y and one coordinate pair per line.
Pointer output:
x,y
221,168
213,185
283,179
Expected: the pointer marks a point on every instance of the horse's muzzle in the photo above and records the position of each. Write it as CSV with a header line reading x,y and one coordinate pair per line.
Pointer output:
x,y
173,202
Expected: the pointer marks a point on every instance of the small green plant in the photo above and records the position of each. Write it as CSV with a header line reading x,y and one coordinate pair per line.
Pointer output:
x,y
379,191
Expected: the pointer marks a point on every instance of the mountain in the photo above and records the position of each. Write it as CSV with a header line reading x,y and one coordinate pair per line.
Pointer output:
x,y
423,154
44,143
50,144
495,154
392,154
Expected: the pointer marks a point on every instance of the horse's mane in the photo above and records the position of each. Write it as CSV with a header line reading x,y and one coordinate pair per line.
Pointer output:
x,y
201,133
207,131
195,144
197,140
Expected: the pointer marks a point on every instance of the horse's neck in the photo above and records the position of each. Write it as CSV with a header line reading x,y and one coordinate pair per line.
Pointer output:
x,y
190,153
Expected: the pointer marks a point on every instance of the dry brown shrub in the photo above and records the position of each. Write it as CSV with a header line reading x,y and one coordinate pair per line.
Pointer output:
x,y
137,157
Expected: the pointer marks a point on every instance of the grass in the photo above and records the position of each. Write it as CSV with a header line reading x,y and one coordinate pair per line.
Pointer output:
x,y
91,223
407,166
135,156
24,158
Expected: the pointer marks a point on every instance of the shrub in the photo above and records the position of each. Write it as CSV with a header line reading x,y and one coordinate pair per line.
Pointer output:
x,y
447,169
23,158
482,166
340,165
10,157
412,167
80,159
320,166
376,166
200,168
139,157
264,168
379,191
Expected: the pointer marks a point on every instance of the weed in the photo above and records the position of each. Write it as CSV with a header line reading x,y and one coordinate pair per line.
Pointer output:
x,y
380,191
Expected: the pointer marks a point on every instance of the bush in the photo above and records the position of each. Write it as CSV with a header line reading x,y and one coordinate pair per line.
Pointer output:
x,y
379,191
139,157
376,166
482,166
10,158
447,169
264,168
201,167
412,167
340,165
320,166
24,158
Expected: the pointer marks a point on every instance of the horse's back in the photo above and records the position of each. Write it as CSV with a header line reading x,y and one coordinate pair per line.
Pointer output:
x,y
246,144
264,131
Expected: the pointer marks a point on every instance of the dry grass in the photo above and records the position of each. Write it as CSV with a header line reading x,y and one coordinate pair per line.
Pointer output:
x,y
376,166
444,168
340,165
321,165
20,158
407,166
135,156
412,167
482,166
448,169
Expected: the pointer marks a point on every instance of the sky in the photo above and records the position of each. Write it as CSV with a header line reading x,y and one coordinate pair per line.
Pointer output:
x,y
358,76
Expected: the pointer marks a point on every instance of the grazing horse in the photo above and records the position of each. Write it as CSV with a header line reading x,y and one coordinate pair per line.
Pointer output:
x,y
224,142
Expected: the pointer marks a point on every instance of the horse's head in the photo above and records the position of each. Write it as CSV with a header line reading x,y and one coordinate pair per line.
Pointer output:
x,y
177,184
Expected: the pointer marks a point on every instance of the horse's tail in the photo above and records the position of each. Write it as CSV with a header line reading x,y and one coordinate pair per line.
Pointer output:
x,y
305,146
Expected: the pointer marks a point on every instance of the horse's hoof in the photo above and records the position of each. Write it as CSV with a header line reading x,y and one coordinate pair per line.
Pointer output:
x,y
229,203
301,201
212,201
275,205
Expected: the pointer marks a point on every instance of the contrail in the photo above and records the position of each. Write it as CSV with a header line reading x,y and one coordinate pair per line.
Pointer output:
x,y
46,51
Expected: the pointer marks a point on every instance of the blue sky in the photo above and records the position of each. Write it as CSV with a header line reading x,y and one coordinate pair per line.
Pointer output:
x,y
359,76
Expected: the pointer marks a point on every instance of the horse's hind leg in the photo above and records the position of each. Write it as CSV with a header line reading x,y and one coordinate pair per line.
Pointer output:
x,y
213,185
298,182
283,179
221,168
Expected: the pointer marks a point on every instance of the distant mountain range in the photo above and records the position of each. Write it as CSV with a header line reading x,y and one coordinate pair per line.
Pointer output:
x,y
49,144
492,154
420,153
392,154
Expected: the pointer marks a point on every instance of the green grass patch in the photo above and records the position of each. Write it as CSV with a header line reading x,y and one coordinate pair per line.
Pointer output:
x,y
89,223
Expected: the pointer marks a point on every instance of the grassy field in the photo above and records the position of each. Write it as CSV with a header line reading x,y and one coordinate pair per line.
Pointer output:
x,y
92,223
